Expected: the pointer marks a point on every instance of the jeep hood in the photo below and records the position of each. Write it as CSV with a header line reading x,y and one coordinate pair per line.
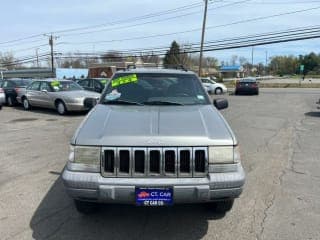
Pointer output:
x,y
110,125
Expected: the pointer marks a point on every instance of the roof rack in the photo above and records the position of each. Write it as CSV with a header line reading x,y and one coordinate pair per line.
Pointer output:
x,y
176,66
131,66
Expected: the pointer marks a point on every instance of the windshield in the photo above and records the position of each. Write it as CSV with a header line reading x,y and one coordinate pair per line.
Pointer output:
x,y
155,89
22,82
62,86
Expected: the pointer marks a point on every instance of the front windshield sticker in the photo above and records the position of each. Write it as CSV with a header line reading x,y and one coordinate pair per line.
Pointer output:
x,y
55,83
124,80
113,95
104,81
200,97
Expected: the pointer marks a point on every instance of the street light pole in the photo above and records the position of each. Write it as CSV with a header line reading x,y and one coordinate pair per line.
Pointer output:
x,y
202,36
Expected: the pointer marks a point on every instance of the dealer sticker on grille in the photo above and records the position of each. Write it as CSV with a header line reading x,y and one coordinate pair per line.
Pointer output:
x,y
154,196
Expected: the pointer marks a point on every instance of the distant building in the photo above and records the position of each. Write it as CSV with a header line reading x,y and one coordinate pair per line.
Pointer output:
x,y
59,73
231,71
106,70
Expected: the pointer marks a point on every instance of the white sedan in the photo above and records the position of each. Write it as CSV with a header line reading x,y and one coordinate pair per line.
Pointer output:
x,y
213,87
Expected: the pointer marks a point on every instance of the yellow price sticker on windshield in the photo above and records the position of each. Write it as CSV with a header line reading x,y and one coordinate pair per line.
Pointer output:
x,y
124,80
55,83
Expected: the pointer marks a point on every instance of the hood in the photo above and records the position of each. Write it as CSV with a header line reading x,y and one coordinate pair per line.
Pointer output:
x,y
110,125
78,94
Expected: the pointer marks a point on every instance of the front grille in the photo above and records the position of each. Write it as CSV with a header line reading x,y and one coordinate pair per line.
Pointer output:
x,y
154,162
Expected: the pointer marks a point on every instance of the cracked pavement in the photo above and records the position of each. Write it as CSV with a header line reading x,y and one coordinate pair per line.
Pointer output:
x,y
279,137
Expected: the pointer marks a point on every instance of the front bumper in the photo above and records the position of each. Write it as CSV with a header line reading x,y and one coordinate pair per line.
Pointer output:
x,y
76,107
2,98
93,187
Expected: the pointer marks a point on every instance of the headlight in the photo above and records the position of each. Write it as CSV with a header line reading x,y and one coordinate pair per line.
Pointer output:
x,y
218,155
85,155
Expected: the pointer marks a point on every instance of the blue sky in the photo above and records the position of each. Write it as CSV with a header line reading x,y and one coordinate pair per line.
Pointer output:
x,y
21,19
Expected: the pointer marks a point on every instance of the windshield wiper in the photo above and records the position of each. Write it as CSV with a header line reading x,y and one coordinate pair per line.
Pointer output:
x,y
162,103
123,102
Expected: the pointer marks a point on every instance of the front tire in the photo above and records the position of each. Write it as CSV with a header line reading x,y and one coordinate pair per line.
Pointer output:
x,y
26,104
218,91
10,101
61,108
223,206
86,207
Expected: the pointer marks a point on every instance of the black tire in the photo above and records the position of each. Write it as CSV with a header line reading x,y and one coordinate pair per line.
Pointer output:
x,y
218,91
61,107
26,104
10,101
223,206
0,106
86,207
236,93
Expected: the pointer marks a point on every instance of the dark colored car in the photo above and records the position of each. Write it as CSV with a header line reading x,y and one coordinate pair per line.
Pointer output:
x,y
94,85
12,87
247,86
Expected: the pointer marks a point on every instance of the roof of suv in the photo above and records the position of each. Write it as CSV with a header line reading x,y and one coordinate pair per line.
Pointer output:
x,y
156,70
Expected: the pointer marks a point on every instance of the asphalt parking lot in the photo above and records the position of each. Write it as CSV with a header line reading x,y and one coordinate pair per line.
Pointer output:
x,y
279,135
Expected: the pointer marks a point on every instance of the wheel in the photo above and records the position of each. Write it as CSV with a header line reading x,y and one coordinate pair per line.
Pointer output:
x,y
236,93
223,206
10,101
218,91
61,108
0,106
86,207
26,104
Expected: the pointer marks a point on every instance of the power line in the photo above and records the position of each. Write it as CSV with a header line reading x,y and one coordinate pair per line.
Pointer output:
x,y
96,26
196,29
154,21
224,41
238,44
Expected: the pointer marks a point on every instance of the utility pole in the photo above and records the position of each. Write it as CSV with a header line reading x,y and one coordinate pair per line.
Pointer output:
x,y
266,62
51,46
202,36
37,54
51,43
252,56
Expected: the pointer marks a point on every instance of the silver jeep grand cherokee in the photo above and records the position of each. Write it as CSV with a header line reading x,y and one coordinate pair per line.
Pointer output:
x,y
154,139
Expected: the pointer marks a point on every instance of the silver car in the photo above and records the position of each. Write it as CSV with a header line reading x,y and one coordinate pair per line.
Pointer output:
x,y
154,139
62,95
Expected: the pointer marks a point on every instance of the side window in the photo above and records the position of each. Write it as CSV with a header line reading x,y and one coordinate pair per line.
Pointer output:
x,y
45,86
34,86
8,84
84,83
97,85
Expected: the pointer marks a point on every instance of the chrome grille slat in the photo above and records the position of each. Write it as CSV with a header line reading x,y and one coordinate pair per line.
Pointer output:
x,y
205,152
170,174
119,172
144,162
180,155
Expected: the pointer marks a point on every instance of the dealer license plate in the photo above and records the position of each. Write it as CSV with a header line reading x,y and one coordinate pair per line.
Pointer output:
x,y
154,196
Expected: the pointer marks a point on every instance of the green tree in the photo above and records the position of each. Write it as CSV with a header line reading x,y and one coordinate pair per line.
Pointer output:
x,y
311,63
173,55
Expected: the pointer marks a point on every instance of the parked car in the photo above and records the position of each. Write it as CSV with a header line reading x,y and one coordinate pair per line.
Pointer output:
x,y
213,87
63,96
2,97
155,138
94,85
12,87
247,86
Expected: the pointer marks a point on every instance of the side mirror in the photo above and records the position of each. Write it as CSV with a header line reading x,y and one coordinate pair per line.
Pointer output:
x,y
90,102
221,103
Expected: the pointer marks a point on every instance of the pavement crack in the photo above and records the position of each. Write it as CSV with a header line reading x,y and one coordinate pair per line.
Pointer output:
x,y
265,215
